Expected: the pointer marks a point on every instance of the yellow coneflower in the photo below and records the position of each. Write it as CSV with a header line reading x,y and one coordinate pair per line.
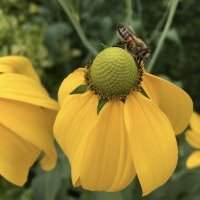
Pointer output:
x,y
116,121
26,118
193,138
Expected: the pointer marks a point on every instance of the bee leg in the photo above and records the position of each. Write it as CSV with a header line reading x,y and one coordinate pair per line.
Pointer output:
x,y
138,60
89,61
144,53
121,44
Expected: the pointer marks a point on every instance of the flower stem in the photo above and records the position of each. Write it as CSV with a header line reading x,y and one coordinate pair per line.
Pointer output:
x,y
65,5
129,12
164,34
158,26
127,20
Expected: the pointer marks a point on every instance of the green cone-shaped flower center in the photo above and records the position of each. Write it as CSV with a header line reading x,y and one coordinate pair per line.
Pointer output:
x,y
113,73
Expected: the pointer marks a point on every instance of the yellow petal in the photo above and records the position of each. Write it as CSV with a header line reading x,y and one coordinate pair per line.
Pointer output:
x,y
152,142
6,68
172,100
77,116
195,122
33,124
16,157
193,138
106,164
193,160
21,88
74,120
72,81
18,64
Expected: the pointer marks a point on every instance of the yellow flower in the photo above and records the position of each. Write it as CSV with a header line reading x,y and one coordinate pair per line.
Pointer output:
x,y
26,118
193,138
123,125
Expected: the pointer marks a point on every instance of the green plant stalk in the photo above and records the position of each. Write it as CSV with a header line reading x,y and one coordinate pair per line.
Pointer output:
x,y
163,35
127,20
158,26
129,12
77,27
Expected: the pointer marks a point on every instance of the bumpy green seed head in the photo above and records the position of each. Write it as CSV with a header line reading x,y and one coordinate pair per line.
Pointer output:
x,y
113,73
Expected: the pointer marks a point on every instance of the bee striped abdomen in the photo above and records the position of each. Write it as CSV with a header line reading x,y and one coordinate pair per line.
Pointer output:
x,y
133,44
124,33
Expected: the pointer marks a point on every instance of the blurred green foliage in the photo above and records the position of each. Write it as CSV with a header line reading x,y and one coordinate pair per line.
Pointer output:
x,y
22,31
59,40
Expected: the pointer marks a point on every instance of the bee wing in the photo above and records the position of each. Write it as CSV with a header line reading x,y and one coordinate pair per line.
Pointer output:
x,y
130,28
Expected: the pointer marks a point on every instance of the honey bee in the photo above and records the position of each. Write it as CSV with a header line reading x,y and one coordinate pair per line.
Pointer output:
x,y
132,43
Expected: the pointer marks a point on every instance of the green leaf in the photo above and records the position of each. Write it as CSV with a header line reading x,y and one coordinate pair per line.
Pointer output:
x,y
80,89
144,92
102,196
100,105
46,186
52,185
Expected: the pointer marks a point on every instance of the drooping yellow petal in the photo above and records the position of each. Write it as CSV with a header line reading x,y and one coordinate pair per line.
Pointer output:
x,y
74,120
151,140
16,157
193,160
193,138
18,64
33,124
6,69
21,88
106,164
72,81
195,122
172,100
